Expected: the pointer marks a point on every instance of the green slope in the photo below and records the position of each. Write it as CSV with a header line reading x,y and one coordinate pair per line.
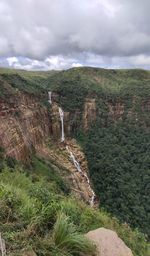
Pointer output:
x,y
30,200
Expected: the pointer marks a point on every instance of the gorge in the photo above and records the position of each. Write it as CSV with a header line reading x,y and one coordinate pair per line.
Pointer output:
x,y
88,127
72,157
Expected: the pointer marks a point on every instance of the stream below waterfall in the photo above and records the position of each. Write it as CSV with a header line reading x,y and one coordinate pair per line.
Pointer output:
x,y
78,167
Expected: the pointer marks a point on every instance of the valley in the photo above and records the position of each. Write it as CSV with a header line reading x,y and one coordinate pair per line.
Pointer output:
x,y
87,132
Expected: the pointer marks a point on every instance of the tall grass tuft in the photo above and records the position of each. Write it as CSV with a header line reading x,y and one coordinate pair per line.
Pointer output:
x,y
66,238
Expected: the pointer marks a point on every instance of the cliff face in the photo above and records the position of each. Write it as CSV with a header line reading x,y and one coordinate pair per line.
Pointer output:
x,y
55,123
27,126
24,124
89,113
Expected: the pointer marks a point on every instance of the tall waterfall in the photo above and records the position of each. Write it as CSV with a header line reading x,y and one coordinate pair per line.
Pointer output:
x,y
77,166
61,113
50,97
72,157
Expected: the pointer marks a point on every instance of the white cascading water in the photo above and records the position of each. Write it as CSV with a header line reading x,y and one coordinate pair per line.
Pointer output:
x,y
77,166
75,162
50,97
61,113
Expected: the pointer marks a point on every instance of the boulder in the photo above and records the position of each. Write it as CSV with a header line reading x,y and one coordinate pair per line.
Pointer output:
x,y
108,243
29,253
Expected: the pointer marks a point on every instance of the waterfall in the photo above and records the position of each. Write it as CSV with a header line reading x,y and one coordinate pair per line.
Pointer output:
x,y
75,162
61,113
72,157
77,166
92,199
50,97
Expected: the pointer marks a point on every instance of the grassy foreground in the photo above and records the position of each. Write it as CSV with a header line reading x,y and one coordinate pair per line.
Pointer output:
x,y
40,214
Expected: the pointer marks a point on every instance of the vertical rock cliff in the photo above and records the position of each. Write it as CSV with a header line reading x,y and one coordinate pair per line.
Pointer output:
x,y
24,124
89,113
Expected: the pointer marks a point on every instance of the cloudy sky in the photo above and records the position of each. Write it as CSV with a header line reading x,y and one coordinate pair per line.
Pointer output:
x,y
59,34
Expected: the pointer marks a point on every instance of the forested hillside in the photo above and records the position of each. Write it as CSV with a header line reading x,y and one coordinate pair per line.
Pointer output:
x,y
118,144
119,162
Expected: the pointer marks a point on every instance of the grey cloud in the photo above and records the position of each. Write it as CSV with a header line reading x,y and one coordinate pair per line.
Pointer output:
x,y
106,29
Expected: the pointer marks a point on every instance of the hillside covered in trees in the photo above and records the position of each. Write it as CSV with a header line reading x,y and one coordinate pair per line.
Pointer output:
x,y
119,163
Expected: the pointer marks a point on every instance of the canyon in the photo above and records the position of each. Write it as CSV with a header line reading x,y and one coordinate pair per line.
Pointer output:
x,y
27,125
90,128
25,128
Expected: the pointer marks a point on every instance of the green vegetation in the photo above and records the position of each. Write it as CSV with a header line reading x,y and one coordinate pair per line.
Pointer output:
x,y
74,84
66,238
12,81
119,162
30,203
118,153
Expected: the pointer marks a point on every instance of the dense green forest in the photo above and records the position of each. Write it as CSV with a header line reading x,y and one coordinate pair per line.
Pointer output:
x,y
119,163
77,82
37,208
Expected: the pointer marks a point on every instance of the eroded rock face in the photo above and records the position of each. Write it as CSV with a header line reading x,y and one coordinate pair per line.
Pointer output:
x,y
89,113
55,124
108,243
24,123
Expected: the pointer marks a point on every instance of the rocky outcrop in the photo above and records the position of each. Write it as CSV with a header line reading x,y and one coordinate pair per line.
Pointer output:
x,y
89,113
108,243
28,253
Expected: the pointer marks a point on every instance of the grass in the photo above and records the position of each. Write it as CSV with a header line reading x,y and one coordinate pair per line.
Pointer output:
x,y
51,173
67,239
30,204
86,219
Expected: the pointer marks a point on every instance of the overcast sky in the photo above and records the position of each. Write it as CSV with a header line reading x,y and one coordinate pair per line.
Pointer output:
x,y
59,34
